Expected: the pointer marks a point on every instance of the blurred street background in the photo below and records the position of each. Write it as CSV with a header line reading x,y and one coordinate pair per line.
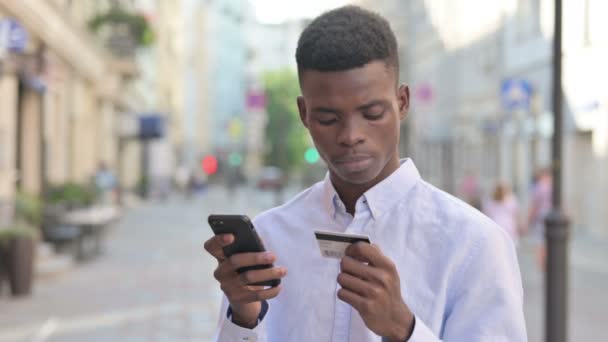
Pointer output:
x,y
124,123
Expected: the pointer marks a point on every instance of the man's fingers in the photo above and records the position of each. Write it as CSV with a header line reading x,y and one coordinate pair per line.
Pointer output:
x,y
216,244
228,267
249,296
356,285
224,271
351,298
369,253
251,259
365,272
356,268
257,276
268,293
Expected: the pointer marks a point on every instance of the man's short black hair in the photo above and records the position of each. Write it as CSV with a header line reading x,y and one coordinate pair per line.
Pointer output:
x,y
346,38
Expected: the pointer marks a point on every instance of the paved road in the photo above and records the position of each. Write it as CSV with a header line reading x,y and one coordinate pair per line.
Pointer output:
x,y
588,287
154,283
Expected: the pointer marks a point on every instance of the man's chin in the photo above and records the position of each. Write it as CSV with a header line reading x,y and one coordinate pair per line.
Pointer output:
x,y
356,178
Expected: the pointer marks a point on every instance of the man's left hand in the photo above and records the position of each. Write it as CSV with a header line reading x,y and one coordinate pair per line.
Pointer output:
x,y
370,283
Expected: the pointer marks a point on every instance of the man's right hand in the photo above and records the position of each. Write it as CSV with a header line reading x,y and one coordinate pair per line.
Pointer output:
x,y
245,300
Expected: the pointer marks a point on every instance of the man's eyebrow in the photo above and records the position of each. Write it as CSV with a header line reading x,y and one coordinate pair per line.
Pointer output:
x,y
328,110
325,110
372,104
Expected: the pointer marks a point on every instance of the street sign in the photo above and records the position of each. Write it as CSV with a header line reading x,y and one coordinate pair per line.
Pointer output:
x,y
13,36
515,94
424,93
151,126
256,100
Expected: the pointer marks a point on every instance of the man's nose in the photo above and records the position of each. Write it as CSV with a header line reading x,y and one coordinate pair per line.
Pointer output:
x,y
351,133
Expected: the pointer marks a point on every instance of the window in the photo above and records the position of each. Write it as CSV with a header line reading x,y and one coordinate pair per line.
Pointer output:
x,y
528,18
596,25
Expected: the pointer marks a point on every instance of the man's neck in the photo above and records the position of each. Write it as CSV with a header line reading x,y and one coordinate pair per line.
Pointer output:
x,y
349,193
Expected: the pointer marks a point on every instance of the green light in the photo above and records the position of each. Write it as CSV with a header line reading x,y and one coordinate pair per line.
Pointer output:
x,y
235,159
311,156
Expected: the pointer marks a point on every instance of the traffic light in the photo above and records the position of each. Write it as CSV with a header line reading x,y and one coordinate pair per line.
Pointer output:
x,y
235,159
311,155
209,165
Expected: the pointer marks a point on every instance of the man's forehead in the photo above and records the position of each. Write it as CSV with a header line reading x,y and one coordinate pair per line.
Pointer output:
x,y
374,75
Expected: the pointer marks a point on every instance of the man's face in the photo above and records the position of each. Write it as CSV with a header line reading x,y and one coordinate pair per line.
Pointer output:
x,y
353,117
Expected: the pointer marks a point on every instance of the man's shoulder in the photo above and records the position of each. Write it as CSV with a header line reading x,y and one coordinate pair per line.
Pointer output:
x,y
462,237
456,221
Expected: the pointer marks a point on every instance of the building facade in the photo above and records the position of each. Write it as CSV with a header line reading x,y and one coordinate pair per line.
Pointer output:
x,y
227,70
60,95
198,66
271,47
480,80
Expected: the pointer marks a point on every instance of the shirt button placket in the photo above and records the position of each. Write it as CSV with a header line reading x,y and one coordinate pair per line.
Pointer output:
x,y
343,312
341,320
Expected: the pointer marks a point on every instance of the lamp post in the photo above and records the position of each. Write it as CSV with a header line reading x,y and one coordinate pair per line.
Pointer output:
x,y
557,225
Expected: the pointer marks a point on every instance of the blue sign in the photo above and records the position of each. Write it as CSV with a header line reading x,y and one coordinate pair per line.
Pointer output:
x,y
151,126
515,94
36,84
13,36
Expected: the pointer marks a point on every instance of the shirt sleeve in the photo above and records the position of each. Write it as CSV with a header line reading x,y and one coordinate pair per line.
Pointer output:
x,y
422,333
227,331
486,303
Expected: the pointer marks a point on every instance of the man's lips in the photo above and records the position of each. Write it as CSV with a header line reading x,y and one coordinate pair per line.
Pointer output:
x,y
354,163
352,159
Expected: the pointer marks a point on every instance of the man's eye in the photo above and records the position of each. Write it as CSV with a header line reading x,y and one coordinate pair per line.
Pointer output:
x,y
327,122
374,115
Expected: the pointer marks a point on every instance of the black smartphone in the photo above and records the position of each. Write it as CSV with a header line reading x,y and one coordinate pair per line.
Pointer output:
x,y
246,240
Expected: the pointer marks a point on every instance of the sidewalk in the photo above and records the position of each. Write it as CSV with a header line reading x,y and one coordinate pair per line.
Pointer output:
x,y
588,282
154,282
586,252
589,253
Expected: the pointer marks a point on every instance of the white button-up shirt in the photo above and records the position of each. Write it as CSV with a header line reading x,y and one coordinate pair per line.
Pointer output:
x,y
458,270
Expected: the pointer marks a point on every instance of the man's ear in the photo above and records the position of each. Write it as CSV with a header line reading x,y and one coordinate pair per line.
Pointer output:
x,y
302,110
403,98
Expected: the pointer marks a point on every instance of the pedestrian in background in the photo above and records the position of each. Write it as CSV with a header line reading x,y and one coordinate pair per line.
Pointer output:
x,y
197,183
182,179
540,205
469,190
105,183
503,208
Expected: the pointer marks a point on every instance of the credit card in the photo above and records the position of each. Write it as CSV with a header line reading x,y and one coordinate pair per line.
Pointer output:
x,y
333,245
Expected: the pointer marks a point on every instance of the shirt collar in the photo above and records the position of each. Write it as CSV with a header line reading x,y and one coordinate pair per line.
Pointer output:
x,y
330,197
382,196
